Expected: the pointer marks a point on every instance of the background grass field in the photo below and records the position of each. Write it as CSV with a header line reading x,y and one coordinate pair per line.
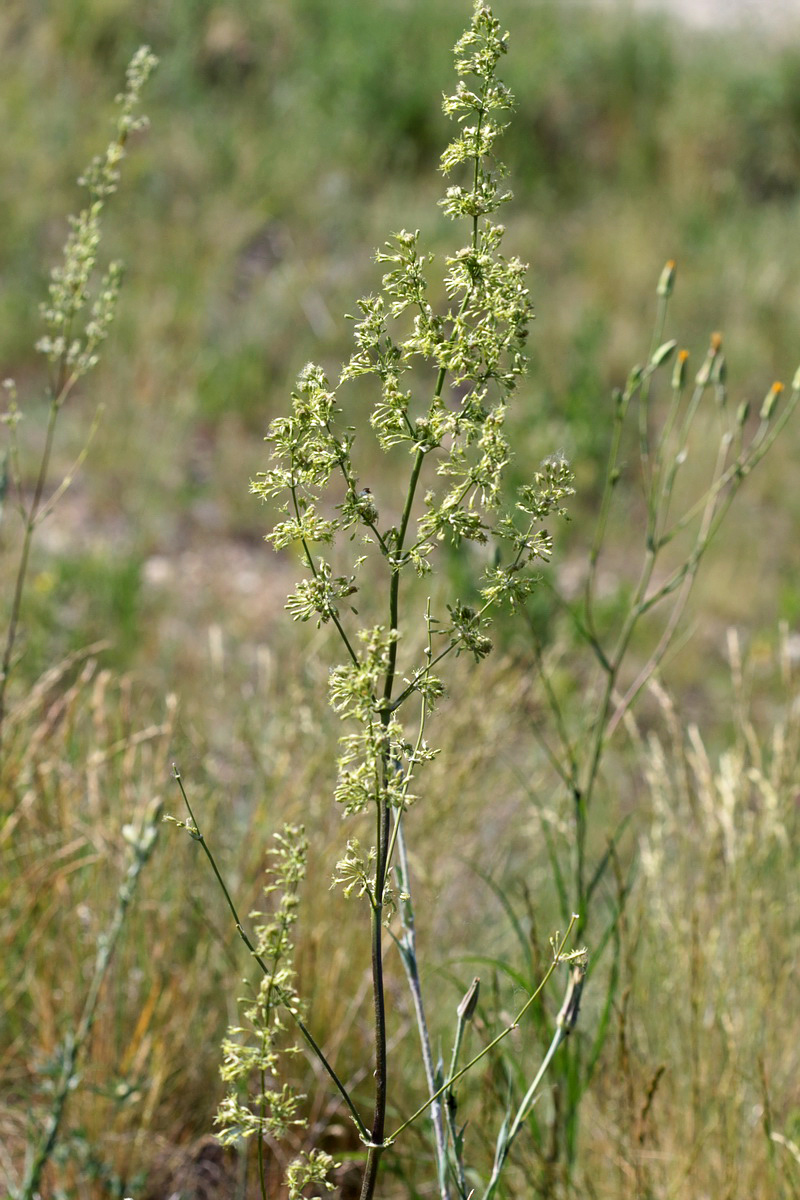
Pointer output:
x,y
286,142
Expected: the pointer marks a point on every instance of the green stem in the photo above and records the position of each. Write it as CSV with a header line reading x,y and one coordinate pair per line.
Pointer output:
x,y
312,568
382,842
391,706
583,793
644,395
22,569
684,579
450,1104
407,945
261,1148
612,474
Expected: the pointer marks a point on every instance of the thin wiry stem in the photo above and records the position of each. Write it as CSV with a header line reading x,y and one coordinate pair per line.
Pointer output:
x,y
27,542
565,1022
312,568
32,515
382,843
407,946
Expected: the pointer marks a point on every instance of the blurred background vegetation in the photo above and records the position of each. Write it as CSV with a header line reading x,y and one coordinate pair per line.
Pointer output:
x,y
287,141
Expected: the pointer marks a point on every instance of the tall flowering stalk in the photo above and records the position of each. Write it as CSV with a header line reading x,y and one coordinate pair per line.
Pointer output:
x,y
77,317
442,382
453,429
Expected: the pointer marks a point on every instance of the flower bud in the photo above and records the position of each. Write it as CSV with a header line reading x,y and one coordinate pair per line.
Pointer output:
x,y
466,1008
365,503
679,370
666,281
719,370
770,400
635,378
703,376
663,353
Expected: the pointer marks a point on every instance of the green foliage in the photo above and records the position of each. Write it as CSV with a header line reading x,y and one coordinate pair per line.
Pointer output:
x,y
73,598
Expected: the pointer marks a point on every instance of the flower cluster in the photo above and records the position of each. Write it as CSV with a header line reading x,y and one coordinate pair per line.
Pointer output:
x,y
454,431
73,336
257,1103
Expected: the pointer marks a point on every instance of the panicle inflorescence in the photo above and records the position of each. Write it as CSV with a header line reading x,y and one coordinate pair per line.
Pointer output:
x,y
454,431
256,1102
72,340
